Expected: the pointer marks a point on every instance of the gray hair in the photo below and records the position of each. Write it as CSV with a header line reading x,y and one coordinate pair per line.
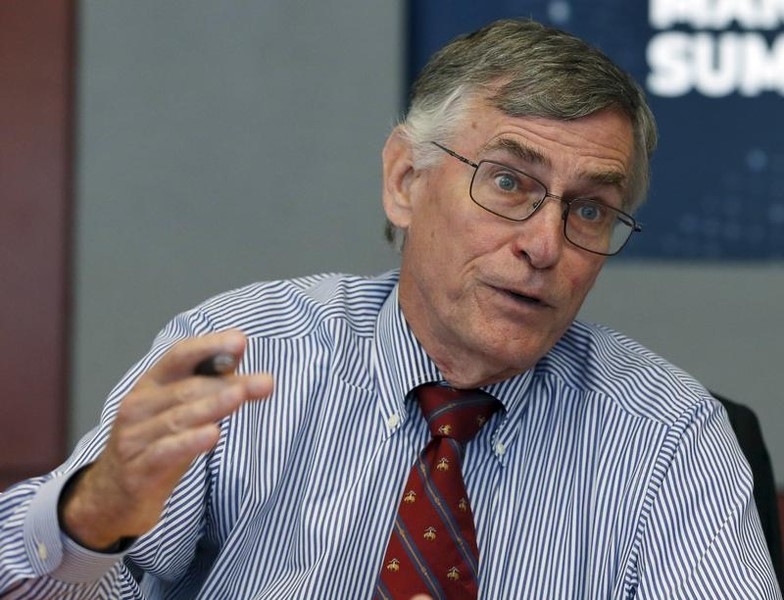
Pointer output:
x,y
525,69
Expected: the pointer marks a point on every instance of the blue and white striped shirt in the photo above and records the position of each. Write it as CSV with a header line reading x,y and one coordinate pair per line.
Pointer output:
x,y
609,473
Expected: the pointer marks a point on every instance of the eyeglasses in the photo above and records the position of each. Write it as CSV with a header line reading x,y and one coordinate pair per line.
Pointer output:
x,y
511,194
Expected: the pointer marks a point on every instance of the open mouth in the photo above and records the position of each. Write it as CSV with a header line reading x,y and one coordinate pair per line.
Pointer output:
x,y
530,300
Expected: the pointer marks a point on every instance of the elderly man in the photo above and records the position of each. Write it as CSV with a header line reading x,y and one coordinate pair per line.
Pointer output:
x,y
446,430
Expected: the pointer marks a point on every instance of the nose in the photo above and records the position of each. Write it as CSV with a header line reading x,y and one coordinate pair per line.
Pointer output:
x,y
540,238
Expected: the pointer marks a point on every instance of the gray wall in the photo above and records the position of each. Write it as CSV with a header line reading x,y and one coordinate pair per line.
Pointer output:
x,y
226,142
221,143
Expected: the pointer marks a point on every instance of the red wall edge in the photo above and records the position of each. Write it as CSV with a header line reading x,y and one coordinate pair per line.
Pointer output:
x,y
36,115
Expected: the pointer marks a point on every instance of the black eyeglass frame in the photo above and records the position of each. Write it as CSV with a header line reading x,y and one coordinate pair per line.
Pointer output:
x,y
621,215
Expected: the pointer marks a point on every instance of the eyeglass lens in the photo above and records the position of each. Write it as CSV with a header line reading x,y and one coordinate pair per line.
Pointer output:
x,y
509,193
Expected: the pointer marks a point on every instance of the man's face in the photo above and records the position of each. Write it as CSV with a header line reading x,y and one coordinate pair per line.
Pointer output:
x,y
488,297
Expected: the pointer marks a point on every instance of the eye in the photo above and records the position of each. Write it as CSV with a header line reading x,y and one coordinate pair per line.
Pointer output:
x,y
590,212
506,182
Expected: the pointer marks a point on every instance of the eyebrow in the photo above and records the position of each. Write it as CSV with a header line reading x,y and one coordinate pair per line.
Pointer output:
x,y
518,150
531,155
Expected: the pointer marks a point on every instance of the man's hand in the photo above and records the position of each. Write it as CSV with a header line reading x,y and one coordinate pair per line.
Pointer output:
x,y
167,419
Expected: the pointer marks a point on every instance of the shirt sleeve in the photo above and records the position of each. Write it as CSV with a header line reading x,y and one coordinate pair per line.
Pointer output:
x,y
703,537
37,560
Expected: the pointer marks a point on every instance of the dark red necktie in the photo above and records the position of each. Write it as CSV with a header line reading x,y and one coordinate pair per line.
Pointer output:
x,y
432,549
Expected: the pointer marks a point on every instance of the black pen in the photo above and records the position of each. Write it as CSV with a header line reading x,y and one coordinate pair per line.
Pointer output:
x,y
216,365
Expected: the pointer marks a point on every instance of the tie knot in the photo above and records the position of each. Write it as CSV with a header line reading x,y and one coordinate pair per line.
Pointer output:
x,y
457,414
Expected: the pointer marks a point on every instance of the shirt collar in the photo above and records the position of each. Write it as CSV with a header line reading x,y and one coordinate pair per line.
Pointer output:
x,y
401,362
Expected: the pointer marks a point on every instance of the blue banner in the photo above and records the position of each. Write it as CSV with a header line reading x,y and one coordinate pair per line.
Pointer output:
x,y
713,71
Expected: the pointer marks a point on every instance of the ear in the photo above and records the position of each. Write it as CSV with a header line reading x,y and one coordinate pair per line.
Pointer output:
x,y
398,176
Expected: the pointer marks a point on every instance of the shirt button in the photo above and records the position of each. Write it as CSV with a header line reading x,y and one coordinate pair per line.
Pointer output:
x,y
500,449
393,421
43,552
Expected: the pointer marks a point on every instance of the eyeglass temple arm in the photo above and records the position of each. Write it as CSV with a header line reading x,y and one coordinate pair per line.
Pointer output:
x,y
462,159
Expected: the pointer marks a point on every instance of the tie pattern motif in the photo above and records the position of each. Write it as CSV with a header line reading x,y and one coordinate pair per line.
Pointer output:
x,y
432,549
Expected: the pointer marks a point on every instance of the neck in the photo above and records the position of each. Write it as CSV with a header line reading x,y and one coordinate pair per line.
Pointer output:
x,y
460,367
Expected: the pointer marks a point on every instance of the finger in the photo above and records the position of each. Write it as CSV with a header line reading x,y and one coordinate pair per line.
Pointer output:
x,y
181,360
205,410
180,450
153,472
146,401
187,404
